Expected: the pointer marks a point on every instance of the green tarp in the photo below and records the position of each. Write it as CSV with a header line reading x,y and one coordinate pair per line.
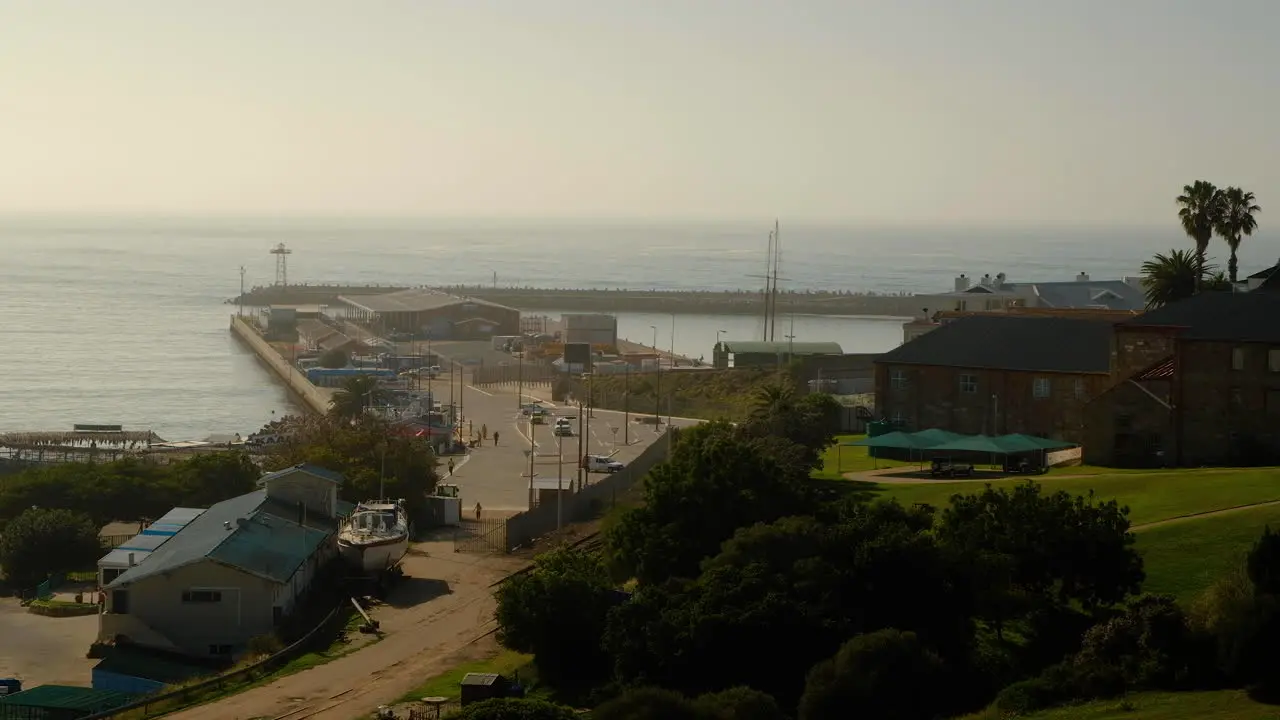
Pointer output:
x,y
936,440
972,443
934,436
1031,442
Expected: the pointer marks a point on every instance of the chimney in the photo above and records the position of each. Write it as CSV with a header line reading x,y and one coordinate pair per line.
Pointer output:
x,y
1082,277
962,283
999,281
986,280
226,524
131,560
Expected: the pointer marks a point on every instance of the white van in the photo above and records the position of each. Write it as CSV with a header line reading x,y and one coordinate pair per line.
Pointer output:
x,y
600,464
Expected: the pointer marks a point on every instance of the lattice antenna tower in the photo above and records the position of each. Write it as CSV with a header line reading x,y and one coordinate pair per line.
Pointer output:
x,y
282,254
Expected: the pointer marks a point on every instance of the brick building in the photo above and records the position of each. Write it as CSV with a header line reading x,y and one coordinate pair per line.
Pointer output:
x,y
996,374
1194,383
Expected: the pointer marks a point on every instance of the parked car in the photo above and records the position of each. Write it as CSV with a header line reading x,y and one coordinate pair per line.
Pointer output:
x,y
601,464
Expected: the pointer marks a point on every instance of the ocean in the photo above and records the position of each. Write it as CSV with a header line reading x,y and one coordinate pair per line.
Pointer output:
x,y
123,321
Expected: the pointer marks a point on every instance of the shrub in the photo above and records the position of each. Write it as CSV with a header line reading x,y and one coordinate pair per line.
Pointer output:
x,y
263,645
1058,685
647,704
1240,625
1149,645
886,674
740,703
515,709
1263,563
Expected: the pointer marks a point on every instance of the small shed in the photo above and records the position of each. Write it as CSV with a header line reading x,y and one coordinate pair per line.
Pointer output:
x,y
60,702
484,686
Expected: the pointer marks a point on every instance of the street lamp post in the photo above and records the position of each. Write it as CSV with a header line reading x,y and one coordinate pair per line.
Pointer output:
x,y
580,448
657,384
559,479
532,446
626,407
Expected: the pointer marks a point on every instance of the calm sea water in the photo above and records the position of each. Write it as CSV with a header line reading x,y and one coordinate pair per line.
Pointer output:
x,y
123,321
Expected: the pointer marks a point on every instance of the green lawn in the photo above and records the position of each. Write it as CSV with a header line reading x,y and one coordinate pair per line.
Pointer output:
x,y
1215,705
1151,496
1185,557
838,460
447,685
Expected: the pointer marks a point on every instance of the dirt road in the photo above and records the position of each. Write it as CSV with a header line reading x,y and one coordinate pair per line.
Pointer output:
x,y
42,650
444,603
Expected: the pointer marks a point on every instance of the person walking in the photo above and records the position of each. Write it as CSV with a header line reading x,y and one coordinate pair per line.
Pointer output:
x,y
484,431
477,511
495,437
450,466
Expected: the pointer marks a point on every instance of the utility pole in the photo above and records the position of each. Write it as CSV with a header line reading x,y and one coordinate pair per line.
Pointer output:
x,y
430,372
626,407
580,451
657,384
559,480
532,446
241,298
461,382
520,382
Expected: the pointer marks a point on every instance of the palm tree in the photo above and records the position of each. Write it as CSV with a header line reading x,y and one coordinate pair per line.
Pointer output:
x,y
1201,207
773,401
357,393
1235,220
1176,276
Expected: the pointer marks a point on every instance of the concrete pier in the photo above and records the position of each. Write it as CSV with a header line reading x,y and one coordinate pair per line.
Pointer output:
x,y
700,302
313,398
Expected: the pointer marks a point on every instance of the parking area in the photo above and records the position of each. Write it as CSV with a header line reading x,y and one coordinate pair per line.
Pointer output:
x,y
41,650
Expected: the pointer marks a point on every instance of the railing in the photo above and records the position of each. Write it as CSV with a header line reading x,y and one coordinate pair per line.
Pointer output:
x,y
188,694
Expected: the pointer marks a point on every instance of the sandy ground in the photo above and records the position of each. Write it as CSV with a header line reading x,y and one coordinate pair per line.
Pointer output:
x,y
41,650
431,621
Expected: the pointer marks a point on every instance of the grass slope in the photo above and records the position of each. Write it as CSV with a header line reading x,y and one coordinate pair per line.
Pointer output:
x,y
1214,705
1183,558
1151,497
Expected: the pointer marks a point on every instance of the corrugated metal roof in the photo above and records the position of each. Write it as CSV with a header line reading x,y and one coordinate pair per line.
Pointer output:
x,y
1011,342
66,697
249,532
313,470
1162,370
150,539
413,300
1222,316
757,347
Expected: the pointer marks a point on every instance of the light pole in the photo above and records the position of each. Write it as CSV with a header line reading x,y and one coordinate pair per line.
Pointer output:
x,y
673,339
520,381
626,406
559,478
241,298
430,373
580,449
532,446
657,384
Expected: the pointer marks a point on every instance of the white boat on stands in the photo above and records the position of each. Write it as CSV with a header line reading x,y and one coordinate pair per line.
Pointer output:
x,y
376,537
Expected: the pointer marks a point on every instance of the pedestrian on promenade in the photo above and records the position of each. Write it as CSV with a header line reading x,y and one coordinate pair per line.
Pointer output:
x,y
495,437
477,511
450,466
484,431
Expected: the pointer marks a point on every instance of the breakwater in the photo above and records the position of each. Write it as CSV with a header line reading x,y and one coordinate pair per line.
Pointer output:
x,y
699,302
313,398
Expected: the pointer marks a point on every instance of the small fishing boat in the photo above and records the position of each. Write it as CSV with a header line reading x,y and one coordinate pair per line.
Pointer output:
x,y
376,537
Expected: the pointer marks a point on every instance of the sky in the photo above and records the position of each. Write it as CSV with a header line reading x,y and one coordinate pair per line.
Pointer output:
x,y
904,112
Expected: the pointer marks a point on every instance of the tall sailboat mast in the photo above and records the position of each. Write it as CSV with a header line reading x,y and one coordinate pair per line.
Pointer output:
x,y
776,260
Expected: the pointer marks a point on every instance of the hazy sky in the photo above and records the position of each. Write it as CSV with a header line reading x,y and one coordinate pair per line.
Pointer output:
x,y
901,111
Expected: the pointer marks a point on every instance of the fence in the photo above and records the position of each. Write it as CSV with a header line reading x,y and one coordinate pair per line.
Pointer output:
x,y
1070,456
44,590
187,695
481,536
528,374
526,527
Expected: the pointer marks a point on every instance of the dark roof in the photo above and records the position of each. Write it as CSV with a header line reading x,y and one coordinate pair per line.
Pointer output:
x,y
1011,342
1264,273
1226,316
758,347
66,697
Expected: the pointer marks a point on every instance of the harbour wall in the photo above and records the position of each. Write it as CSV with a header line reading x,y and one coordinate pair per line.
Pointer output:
x,y
700,302
313,398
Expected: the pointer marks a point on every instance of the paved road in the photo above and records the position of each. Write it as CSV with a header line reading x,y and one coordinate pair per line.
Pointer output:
x,y
497,476
41,650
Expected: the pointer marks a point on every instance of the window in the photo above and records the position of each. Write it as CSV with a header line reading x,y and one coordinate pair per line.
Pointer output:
x,y
1237,358
1273,402
1079,388
898,419
898,379
201,596
1040,388
1273,359
968,383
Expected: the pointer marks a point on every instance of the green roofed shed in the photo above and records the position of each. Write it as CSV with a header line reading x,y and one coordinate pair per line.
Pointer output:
x,y
896,440
935,436
60,702
1017,442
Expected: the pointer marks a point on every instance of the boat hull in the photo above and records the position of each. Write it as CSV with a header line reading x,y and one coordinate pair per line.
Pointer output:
x,y
373,555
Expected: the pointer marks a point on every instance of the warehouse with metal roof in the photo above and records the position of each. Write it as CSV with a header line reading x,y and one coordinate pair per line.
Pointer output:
x,y
232,573
60,702
442,316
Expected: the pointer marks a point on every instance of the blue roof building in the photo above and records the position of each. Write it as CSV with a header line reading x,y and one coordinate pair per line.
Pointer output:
x,y
231,573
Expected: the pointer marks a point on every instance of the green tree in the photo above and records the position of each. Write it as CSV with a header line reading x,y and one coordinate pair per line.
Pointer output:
x,y
1263,563
1149,645
204,480
739,703
810,421
1235,221
375,461
1200,210
41,541
1176,276
334,359
716,481
648,703
557,612
515,709
798,587
1057,548
887,674
357,393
